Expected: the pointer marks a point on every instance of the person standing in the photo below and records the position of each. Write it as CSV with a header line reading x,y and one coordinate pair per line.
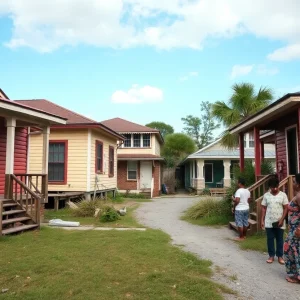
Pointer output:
x,y
241,209
273,211
292,243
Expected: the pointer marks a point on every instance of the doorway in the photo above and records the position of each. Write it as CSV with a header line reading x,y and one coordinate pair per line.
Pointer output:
x,y
146,174
292,150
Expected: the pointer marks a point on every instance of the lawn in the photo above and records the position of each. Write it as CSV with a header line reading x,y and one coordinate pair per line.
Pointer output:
x,y
257,242
128,220
58,264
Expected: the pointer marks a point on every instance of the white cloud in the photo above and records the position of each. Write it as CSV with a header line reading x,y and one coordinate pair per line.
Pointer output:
x,y
138,95
265,70
240,70
188,76
287,53
50,24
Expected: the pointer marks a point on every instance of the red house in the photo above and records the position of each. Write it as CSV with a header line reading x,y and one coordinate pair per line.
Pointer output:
x,y
21,194
278,123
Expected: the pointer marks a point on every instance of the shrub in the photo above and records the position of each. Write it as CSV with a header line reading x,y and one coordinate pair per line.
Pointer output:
x,y
208,207
108,214
205,192
132,195
86,208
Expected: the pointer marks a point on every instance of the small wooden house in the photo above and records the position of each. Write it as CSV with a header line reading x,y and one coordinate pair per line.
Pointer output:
x,y
82,154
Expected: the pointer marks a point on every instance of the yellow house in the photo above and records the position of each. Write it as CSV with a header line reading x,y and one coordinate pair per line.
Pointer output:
x,y
82,153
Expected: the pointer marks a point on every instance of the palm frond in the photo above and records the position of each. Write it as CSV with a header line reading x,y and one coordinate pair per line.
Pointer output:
x,y
229,141
224,113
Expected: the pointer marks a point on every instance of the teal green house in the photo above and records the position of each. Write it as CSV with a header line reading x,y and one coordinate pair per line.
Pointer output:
x,y
211,166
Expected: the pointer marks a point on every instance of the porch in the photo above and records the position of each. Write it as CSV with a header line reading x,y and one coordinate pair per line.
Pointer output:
x,y
22,194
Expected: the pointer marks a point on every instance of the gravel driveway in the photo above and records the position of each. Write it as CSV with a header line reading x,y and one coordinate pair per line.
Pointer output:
x,y
243,271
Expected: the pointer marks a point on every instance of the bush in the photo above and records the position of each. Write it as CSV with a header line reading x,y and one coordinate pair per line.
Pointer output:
x,y
132,195
108,214
86,208
205,192
208,207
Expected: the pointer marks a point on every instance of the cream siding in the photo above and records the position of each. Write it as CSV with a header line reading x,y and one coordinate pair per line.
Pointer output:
x,y
104,181
157,145
76,163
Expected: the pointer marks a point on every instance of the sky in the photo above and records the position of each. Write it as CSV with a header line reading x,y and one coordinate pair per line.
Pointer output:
x,y
146,60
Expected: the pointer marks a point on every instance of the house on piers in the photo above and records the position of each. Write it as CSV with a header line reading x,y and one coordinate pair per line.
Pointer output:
x,y
280,123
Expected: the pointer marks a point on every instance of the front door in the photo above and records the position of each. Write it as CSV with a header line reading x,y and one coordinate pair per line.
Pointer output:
x,y
292,157
146,174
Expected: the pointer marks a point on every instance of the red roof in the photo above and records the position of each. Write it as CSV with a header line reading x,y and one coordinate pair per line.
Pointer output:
x,y
139,156
123,126
50,107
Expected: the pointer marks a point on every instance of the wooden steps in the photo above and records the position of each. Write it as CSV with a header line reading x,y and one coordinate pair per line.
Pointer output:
x,y
14,218
251,229
19,229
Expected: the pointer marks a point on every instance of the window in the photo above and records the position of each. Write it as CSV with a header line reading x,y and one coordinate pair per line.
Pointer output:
x,y
208,173
137,140
127,142
99,157
251,140
146,140
111,161
131,170
57,164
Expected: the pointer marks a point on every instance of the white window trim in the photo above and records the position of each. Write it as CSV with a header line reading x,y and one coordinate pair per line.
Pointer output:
x,y
286,147
141,143
212,172
132,170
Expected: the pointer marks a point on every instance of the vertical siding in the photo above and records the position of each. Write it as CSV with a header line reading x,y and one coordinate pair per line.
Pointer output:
x,y
2,155
21,142
104,181
76,163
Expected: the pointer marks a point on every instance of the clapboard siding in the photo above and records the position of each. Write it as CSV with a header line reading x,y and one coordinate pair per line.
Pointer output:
x,y
2,155
104,181
76,162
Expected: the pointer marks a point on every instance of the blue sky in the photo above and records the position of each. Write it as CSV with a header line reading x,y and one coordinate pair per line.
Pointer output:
x,y
145,60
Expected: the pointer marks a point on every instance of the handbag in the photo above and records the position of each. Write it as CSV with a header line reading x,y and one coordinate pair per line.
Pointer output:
x,y
275,224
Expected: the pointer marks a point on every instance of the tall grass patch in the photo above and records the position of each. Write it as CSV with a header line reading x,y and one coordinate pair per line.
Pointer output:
x,y
209,211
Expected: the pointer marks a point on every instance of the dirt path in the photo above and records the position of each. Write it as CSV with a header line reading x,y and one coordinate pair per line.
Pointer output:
x,y
244,271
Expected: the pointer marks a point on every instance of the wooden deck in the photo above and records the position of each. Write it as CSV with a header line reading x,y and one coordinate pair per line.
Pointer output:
x,y
64,196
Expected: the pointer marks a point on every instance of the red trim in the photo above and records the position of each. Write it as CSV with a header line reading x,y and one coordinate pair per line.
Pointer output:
x,y
97,142
257,154
113,161
242,151
89,125
66,162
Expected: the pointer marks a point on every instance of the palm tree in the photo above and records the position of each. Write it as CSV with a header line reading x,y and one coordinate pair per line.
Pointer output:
x,y
243,103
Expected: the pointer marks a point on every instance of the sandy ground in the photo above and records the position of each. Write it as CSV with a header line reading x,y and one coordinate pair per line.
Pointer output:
x,y
244,271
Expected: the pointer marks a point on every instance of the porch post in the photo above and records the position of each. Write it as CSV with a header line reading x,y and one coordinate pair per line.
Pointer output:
x,y
200,179
10,154
242,151
226,164
257,153
262,150
46,133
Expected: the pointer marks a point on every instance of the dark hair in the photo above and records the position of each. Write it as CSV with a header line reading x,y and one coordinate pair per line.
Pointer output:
x,y
241,181
297,178
273,182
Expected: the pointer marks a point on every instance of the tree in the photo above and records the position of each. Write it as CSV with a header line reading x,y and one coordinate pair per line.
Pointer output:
x,y
162,127
201,129
243,103
177,146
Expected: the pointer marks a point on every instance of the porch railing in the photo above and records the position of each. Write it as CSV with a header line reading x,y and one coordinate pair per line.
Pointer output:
x,y
25,197
37,183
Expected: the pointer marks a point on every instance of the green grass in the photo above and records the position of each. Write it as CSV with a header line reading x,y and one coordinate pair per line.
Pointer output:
x,y
257,242
59,264
65,214
209,221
